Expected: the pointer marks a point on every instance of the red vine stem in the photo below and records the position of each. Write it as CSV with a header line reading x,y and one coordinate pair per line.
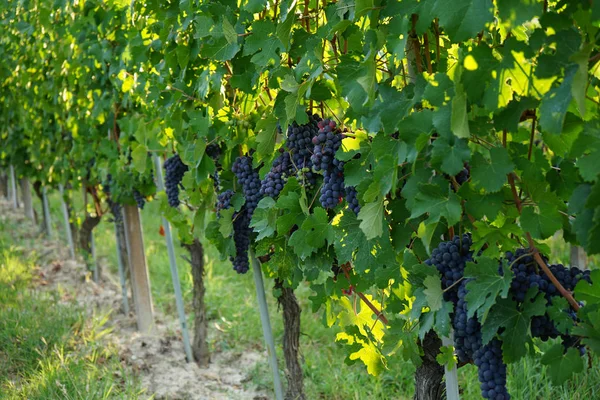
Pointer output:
x,y
533,121
427,55
378,313
536,255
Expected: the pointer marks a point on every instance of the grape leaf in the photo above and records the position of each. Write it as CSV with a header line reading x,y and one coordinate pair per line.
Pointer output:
x,y
313,233
446,357
486,285
433,292
264,218
267,128
348,237
371,217
491,174
541,225
562,366
590,293
553,107
430,199
225,222
451,154
505,314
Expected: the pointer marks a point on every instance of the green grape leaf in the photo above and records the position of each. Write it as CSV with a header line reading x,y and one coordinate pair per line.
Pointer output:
x,y
461,19
486,286
491,174
430,199
139,155
450,154
506,314
562,366
433,292
590,293
267,128
371,217
589,327
264,218
312,235
226,222
553,107
348,237
541,225
446,357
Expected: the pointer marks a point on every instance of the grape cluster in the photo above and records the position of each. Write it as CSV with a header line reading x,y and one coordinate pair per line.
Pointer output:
x,y
139,199
115,208
241,238
352,199
175,169
327,141
250,181
464,175
492,371
300,145
224,200
450,259
213,150
467,331
275,179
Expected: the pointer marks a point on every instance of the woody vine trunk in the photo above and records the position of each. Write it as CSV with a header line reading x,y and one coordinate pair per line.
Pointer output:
x,y
199,342
291,341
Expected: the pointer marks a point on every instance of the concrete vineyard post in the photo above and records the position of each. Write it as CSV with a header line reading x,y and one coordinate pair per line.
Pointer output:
x,y
47,212
68,232
578,257
173,265
266,325
451,375
27,201
13,188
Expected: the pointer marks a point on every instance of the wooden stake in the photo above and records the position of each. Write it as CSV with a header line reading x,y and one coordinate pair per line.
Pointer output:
x,y
140,281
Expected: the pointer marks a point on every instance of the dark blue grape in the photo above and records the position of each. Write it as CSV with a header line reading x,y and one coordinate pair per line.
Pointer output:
x,y
139,199
450,259
467,331
300,145
275,179
241,238
224,200
492,371
352,199
250,181
174,171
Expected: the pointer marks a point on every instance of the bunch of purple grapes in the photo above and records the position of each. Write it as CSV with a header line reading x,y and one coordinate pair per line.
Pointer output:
x,y
275,179
250,181
174,171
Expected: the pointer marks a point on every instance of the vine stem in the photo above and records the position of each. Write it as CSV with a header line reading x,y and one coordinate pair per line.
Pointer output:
x,y
378,313
533,121
536,255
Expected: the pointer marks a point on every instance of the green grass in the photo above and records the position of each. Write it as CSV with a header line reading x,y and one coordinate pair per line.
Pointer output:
x,y
50,350
233,313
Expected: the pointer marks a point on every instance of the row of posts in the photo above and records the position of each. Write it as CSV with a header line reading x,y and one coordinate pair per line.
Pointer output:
x,y
140,280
